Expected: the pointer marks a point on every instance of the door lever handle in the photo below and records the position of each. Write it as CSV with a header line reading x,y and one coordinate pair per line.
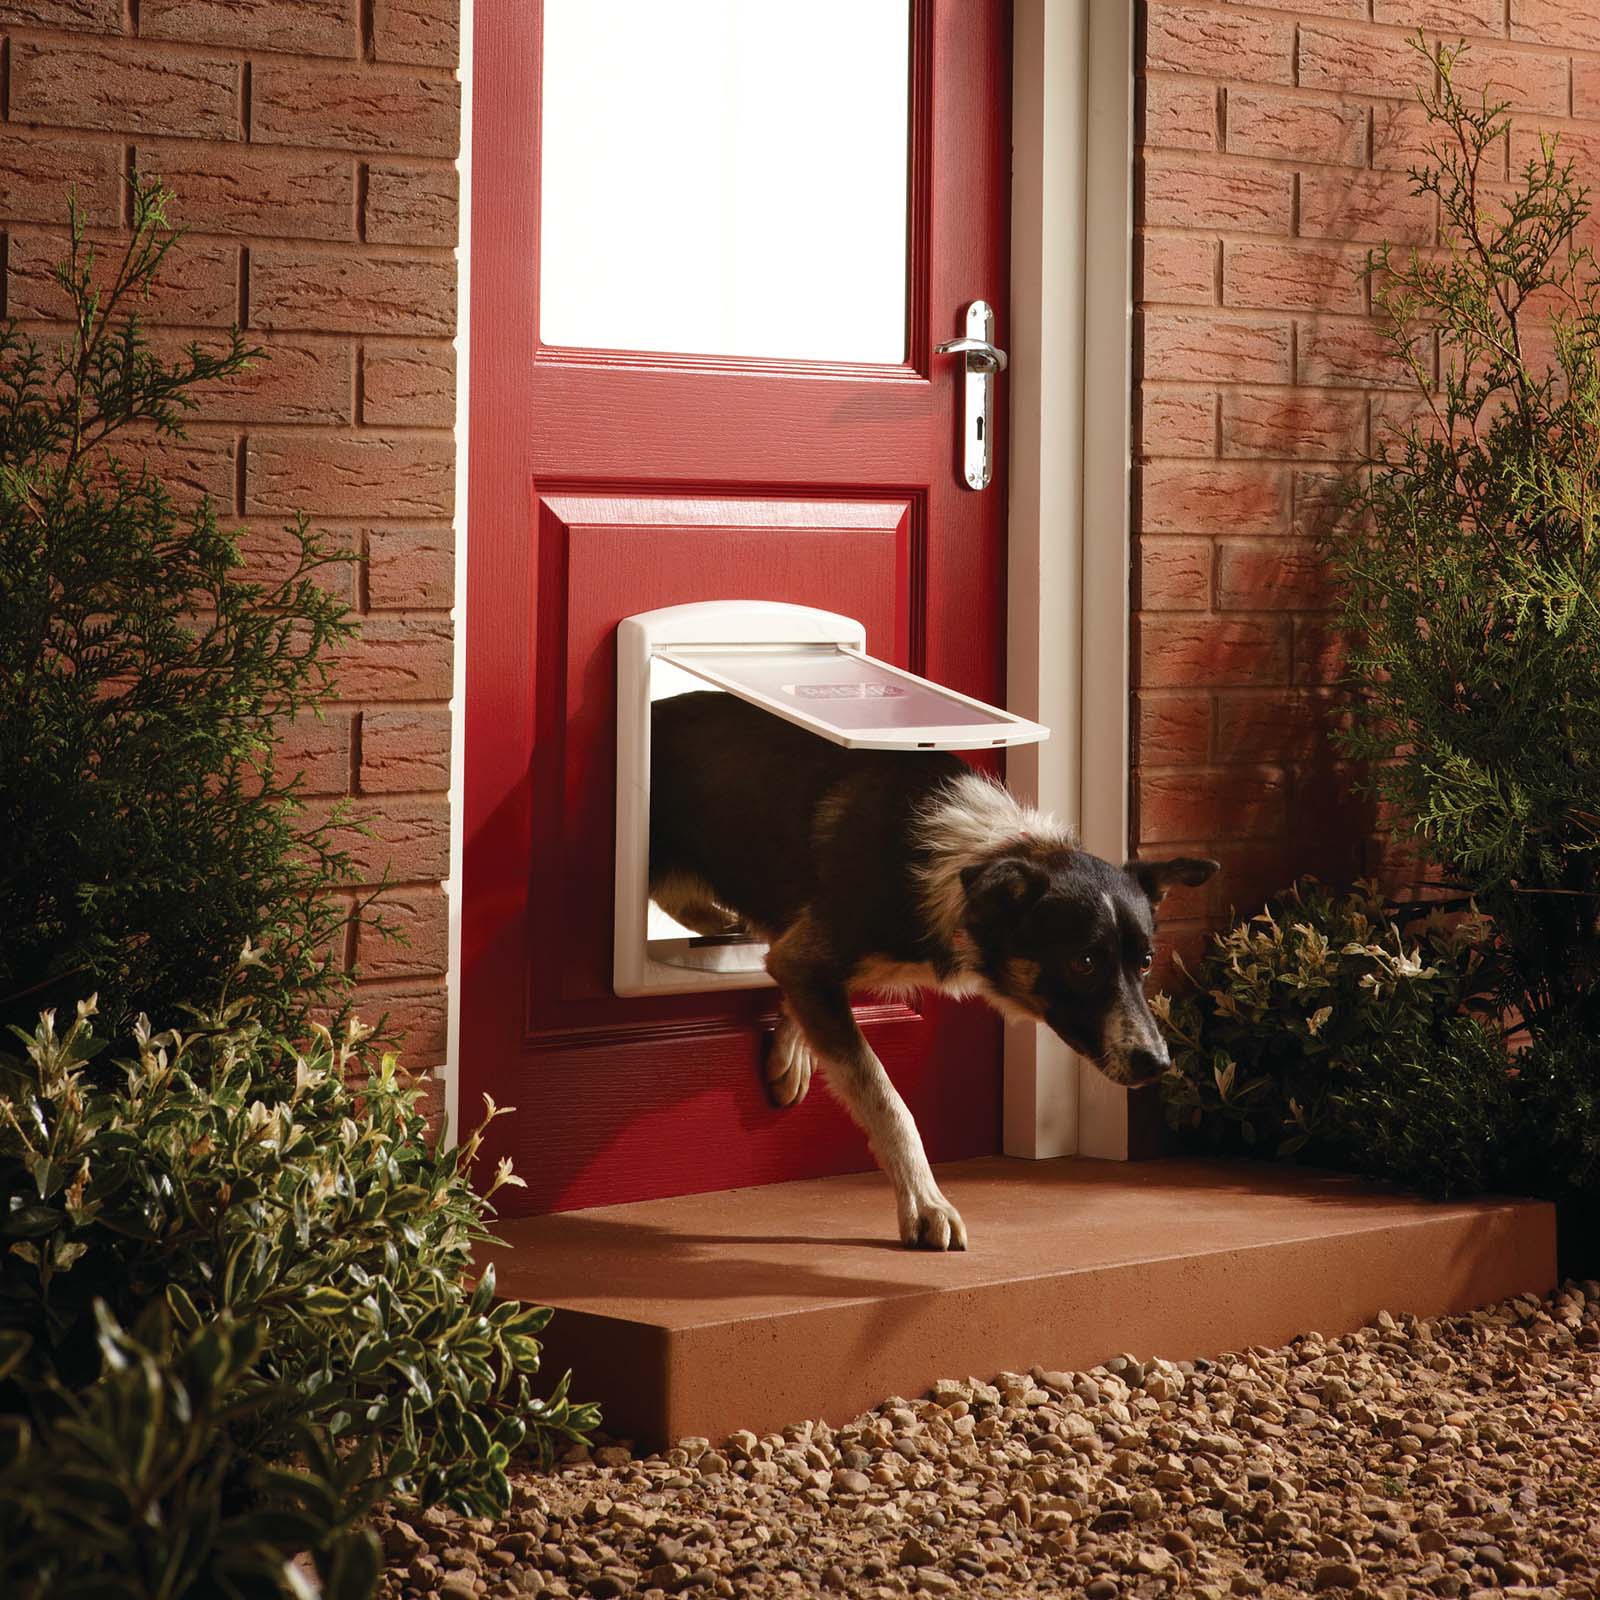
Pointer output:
x,y
981,355
981,359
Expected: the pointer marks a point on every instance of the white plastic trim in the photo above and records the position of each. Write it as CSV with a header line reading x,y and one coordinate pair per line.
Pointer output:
x,y
639,639
449,1073
1106,542
1067,630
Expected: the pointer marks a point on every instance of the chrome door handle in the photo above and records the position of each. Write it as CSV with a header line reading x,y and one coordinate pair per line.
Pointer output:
x,y
981,355
982,359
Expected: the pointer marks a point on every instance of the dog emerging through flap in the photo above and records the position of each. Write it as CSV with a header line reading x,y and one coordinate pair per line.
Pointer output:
x,y
895,871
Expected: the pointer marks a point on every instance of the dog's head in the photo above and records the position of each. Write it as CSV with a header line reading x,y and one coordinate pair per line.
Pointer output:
x,y
1065,938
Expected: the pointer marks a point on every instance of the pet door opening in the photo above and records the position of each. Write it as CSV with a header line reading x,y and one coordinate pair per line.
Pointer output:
x,y
806,666
668,942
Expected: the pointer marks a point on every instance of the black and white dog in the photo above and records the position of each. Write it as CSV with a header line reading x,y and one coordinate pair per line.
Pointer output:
x,y
895,871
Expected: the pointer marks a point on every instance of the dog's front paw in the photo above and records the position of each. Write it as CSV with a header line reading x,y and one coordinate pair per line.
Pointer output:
x,y
789,1065
930,1222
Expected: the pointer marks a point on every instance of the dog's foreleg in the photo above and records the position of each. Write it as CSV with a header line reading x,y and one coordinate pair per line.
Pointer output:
x,y
819,1005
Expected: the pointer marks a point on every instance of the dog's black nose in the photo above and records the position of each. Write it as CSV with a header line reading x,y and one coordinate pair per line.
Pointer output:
x,y
1145,1064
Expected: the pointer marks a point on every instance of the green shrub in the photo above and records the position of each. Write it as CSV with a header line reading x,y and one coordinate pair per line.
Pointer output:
x,y
1302,1019
135,1488
1552,1147
144,827
1470,565
1358,1035
242,1188
236,1305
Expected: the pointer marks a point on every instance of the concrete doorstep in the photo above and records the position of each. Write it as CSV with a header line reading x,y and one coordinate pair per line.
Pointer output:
x,y
754,1308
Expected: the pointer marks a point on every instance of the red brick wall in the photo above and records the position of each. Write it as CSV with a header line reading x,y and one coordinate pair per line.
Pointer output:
x,y
311,144
1272,148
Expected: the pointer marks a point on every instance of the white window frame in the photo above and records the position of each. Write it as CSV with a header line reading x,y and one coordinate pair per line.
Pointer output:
x,y
1069,534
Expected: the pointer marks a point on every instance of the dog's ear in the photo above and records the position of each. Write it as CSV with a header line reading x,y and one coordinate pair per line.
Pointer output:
x,y
1004,886
1156,877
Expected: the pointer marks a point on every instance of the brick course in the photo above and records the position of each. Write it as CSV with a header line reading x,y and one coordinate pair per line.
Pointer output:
x,y
311,147
1262,376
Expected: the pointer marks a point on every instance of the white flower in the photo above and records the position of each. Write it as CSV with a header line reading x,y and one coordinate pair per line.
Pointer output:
x,y
504,1175
260,1120
1410,966
305,1076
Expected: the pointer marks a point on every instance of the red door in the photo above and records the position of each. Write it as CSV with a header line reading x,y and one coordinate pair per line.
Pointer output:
x,y
605,481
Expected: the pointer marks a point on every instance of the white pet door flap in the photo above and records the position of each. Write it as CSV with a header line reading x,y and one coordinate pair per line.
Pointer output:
x,y
848,697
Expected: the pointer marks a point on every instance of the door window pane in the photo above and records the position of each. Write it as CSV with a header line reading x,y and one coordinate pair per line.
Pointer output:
x,y
725,177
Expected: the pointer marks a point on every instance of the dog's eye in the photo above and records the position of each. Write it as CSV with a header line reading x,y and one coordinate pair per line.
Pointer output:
x,y
1082,965
1146,961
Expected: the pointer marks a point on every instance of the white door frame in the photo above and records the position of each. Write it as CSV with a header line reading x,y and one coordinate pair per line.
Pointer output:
x,y
1068,605
1068,552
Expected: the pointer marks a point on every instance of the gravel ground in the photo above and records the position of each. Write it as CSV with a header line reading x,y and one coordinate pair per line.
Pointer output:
x,y
1456,1457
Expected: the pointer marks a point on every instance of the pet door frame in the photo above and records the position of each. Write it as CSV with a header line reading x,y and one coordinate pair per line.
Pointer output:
x,y
712,640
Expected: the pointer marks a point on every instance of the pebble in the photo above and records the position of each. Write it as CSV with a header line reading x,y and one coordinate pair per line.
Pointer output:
x,y
401,1542
1145,1505
1337,1575
1156,1561
1449,1457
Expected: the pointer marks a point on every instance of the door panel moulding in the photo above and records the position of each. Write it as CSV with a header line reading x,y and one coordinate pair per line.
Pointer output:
x,y
1068,546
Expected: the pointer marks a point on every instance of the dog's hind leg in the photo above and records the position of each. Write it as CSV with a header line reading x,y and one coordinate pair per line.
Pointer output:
x,y
689,900
818,1002
789,1063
